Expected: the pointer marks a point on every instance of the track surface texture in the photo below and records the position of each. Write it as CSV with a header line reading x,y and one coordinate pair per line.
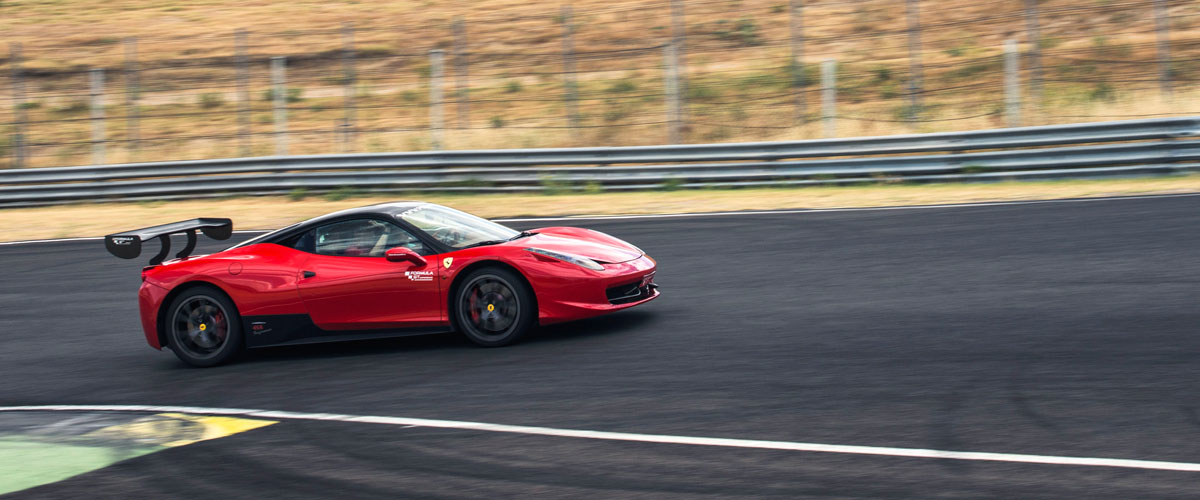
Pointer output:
x,y
1054,329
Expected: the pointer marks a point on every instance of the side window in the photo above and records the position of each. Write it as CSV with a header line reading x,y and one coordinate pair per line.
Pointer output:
x,y
357,238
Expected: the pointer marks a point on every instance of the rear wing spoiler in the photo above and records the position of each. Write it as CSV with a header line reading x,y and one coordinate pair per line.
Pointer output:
x,y
128,245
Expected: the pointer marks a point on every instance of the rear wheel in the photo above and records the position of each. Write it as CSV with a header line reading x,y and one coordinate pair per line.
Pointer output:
x,y
203,327
494,307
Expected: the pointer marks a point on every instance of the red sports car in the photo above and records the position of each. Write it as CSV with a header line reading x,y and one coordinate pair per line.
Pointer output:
x,y
384,270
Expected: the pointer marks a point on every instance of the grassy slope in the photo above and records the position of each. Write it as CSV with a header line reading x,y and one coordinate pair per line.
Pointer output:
x,y
737,54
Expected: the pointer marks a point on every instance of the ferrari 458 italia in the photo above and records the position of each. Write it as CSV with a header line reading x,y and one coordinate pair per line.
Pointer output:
x,y
379,271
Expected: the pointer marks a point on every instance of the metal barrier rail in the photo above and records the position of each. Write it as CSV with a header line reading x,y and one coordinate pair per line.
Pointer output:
x,y
1137,147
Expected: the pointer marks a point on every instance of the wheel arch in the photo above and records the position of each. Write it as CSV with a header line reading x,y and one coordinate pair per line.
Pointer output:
x,y
458,279
160,321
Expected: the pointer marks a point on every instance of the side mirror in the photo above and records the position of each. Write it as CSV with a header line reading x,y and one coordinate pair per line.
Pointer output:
x,y
402,254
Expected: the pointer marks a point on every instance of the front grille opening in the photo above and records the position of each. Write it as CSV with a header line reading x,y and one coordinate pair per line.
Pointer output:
x,y
629,292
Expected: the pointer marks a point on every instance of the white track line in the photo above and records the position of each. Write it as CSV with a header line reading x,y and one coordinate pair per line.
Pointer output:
x,y
735,213
643,438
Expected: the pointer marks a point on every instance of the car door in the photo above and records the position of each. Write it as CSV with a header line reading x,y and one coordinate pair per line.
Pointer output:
x,y
348,284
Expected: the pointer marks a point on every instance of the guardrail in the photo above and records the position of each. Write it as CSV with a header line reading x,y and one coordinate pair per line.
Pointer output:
x,y
1136,147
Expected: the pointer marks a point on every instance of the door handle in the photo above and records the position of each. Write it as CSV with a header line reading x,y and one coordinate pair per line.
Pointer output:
x,y
309,274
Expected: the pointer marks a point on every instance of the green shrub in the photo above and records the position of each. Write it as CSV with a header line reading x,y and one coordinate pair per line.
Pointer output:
x,y
72,107
882,73
698,92
1102,92
211,100
552,185
802,75
290,94
622,87
513,87
342,193
497,122
743,31
615,113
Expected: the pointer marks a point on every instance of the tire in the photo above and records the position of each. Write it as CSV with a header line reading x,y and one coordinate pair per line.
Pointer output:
x,y
203,327
494,307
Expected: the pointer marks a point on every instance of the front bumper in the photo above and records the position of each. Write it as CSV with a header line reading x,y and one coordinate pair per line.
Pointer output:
x,y
619,286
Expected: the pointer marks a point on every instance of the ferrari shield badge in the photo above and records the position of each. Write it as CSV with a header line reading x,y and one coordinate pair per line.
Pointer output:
x,y
447,261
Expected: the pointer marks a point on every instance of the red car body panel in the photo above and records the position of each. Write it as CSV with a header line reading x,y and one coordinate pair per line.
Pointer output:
x,y
279,288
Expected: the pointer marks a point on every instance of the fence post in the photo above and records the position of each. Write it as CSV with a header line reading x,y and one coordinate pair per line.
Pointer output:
x,y
462,100
348,125
132,134
571,96
1012,83
829,97
1035,53
436,119
679,40
915,82
96,77
279,98
243,93
671,86
1162,27
796,25
18,81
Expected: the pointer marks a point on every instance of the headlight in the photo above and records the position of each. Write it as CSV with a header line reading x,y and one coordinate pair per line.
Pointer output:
x,y
566,257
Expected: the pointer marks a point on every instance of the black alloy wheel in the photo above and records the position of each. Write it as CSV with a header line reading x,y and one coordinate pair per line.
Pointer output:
x,y
203,327
494,307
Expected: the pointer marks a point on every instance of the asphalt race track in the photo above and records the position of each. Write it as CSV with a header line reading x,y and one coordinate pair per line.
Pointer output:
x,y
1058,329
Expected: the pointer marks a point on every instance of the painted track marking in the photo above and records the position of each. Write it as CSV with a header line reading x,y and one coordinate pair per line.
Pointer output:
x,y
643,438
734,213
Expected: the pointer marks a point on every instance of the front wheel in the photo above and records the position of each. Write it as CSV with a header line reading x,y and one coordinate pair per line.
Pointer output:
x,y
494,307
203,327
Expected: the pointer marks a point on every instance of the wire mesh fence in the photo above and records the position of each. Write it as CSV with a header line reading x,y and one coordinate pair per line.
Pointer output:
x,y
623,73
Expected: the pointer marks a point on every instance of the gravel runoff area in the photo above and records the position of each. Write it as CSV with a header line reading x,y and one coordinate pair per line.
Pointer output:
x,y
98,219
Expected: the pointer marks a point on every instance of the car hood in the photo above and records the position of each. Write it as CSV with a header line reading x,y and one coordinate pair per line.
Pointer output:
x,y
595,248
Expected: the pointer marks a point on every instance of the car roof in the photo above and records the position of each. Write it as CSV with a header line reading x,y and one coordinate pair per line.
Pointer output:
x,y
389,208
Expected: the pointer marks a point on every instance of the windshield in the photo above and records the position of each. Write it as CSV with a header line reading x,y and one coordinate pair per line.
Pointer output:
x,y
453,228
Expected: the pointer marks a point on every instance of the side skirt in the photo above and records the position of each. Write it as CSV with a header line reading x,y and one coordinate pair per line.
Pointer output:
x,y
295,329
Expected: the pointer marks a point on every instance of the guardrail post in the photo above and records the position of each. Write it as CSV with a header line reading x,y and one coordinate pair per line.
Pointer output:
x,y
829,96
462,102
571,96
914,57
679,40
96,76
1012,83
348,130
671,85
132,133
1162,27
19,119
243,92
796,26
436,118
279,98
1035,53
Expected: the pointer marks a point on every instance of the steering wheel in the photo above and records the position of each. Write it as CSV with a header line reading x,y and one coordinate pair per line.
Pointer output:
x,y
447,235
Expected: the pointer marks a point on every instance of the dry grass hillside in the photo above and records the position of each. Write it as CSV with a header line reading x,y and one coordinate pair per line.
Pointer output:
x,y
1098,63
